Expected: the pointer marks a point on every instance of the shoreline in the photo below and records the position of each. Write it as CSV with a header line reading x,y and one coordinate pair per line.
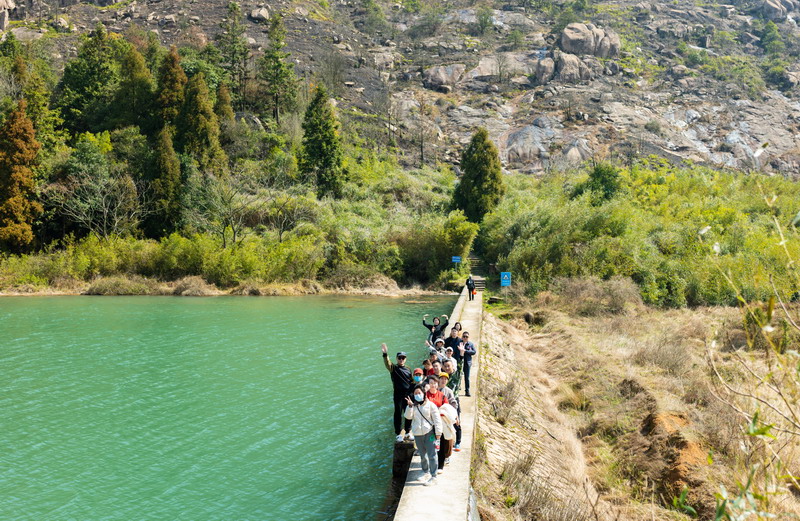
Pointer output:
x,y
195,287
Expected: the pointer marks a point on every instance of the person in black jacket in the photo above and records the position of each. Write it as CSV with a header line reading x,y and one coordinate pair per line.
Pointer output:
x,y
437,328
467,352
470,287
403,384
454,341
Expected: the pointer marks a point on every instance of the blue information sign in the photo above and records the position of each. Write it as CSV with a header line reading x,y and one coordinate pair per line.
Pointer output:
x,y
505,278
456,259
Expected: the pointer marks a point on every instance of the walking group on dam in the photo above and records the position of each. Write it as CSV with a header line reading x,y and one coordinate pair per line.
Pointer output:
x,y
426,398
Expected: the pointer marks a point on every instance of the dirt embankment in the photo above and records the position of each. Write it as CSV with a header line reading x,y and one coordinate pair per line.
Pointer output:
x,y
605,417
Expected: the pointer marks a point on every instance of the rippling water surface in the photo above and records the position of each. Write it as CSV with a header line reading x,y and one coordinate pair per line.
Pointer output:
x,y
227,408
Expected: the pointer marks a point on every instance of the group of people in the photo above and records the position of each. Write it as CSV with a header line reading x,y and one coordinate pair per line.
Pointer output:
x,y
426,399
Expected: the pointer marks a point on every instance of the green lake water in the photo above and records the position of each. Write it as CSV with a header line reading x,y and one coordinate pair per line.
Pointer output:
x,y
224,408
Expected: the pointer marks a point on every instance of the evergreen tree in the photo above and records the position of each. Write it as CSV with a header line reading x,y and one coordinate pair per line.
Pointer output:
x,y
134,101
481,185
18,209
90,79
280,84
222,108
232,45
46,120
167,184
171,85
321,157
198,128
10,46
771,39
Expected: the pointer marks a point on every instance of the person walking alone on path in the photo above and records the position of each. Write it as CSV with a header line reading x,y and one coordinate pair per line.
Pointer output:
x,y
471,287
403,384
426,425
467,352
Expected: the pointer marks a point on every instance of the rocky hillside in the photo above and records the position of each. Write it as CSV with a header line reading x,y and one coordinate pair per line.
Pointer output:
x,y
553,83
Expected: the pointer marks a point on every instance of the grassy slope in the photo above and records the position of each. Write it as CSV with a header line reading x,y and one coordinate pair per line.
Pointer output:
x,y
633,390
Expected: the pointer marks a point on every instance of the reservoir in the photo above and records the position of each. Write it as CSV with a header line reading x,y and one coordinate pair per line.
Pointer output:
x,y
219,408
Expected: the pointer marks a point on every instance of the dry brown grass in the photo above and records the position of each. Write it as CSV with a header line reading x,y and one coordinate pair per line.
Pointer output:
x,y
593,297
125,285
666,351
194,287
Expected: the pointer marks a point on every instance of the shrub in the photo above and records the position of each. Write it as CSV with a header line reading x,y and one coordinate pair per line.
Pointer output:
x,y
666,352
545,230
117,285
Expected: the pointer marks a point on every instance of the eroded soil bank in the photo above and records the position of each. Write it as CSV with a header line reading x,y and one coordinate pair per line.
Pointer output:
x,y
607,417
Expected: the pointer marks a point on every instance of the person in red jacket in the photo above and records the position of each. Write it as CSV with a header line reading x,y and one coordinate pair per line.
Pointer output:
x,y
434,394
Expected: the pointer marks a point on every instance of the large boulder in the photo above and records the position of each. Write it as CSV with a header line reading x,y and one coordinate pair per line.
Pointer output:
x,y
774,10
578,38
3,20
383,60
443,75
260,15
530,143
544,71
570,69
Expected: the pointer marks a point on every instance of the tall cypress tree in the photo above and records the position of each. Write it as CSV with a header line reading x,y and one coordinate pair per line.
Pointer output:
x,y
222,107
134,101
321,157
46,120
280,84
18,209
167,184
481,185
171,85
198,128
232,45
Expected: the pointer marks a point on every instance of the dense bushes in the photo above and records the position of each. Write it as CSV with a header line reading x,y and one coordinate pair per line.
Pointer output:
x,y
392,224
675,232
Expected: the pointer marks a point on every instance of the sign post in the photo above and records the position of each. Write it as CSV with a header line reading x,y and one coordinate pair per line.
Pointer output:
x,y
505,278
456,259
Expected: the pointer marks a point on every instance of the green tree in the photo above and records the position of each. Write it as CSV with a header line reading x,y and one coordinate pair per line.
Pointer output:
x,y
222,107
604,181
280,84
90,196
18,208
516,39
771,39
198,128
481,186
10,46
564,18
89,80
32,88
232,45
321,156
484,17
171,85
167,184
135,98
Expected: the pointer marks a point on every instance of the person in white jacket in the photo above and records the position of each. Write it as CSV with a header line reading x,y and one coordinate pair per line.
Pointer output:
x,y
426,425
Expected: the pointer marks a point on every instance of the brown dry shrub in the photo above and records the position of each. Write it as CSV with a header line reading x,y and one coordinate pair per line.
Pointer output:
x,y
503,397
193,287
666,351
593,297
128,285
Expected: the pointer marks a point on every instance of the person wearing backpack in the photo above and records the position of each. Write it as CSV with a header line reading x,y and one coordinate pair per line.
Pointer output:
x,y
471,287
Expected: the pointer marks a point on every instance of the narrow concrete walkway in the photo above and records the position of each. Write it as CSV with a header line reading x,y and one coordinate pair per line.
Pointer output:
x,y
448,499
